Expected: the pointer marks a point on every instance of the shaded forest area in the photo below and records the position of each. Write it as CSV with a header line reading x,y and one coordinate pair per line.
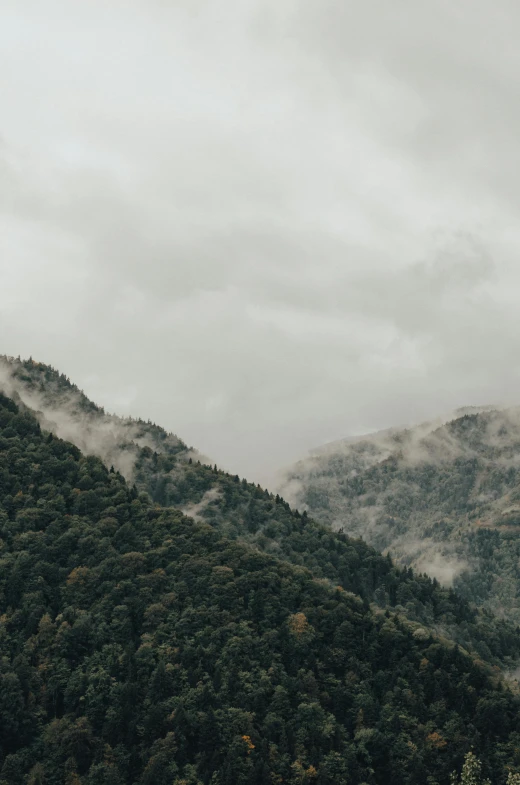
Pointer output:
x,y
140,646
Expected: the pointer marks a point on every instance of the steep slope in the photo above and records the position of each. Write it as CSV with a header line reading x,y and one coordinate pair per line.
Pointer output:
x,y
138,646
65,410
251,515
444,499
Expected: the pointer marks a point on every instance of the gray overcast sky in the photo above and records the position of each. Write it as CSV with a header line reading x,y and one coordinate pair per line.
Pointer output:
x,y
264,224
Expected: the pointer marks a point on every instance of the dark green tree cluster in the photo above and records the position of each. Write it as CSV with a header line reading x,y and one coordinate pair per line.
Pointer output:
x,y
244,511
140,647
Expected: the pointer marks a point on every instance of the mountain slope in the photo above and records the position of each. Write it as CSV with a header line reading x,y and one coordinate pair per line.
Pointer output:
x,y
442,499
138,646
245,512
65,410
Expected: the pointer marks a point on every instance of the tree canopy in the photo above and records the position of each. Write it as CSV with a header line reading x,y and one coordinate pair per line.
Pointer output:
x,y
138,645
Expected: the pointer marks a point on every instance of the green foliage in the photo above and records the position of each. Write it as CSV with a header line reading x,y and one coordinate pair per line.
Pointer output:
x,y
140,646
244,511
247,513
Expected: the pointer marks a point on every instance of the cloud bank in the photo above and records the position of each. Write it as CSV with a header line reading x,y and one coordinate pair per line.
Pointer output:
x,y
263,225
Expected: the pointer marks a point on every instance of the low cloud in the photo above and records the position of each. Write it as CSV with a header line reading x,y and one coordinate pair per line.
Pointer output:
x,y
114,439
194,510
431,558
323,484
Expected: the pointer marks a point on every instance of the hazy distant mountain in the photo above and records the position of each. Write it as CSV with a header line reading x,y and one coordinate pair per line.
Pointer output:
x,y
442,497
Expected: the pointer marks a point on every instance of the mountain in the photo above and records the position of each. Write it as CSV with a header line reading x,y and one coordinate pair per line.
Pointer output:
x,y
442,498
64,409
140,646
160,464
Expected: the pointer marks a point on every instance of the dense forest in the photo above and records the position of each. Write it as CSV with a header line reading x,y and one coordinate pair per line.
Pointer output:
x,y
161,465
140,646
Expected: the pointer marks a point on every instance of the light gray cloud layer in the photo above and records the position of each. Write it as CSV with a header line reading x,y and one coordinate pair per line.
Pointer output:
x,y
263,224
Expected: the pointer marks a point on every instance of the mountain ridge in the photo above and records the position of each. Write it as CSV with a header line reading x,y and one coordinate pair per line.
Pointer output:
x,y
265,521
436,498
65,409
141,647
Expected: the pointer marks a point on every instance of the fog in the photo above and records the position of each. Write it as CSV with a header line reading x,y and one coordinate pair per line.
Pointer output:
x,y
114,439
264,226
488,436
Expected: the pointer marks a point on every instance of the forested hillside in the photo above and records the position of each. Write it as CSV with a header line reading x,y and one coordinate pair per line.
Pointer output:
x,y
245,512
443,499
64,409
140,646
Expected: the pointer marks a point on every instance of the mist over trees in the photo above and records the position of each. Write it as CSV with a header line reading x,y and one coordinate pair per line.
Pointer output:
x,y
245,644
442,498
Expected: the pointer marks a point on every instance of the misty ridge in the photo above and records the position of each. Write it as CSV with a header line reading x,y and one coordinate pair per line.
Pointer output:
x,y
172,475
143,638
64,410
442,497
319,483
